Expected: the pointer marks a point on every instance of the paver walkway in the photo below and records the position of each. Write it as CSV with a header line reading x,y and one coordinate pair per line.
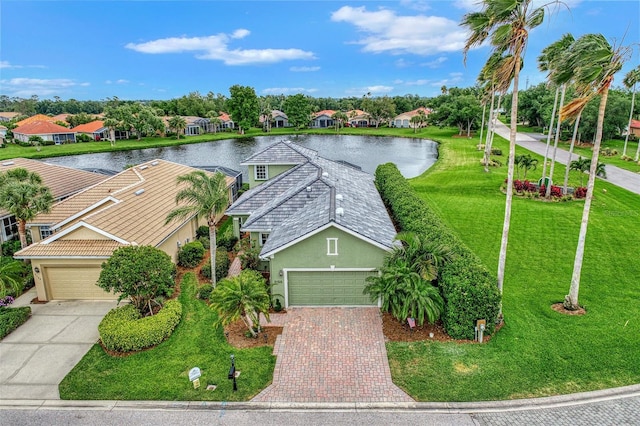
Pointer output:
x,y
332,355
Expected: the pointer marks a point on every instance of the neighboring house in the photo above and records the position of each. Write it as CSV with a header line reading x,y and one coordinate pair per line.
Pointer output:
x,y
359,118
322,119
8,116
46,130
321,226
61,117
278,119
35,118
404,119
235,174
226,122
197,126
129,208
635,128
3,134
95,129
62,181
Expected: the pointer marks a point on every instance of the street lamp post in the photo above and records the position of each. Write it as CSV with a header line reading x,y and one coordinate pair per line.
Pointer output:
x,y
232,373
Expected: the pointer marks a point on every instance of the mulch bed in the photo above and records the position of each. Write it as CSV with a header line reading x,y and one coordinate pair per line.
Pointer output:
x,y
559,307
236,337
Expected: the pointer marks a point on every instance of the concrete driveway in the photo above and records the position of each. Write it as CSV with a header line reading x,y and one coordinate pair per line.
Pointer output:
x,y
38,355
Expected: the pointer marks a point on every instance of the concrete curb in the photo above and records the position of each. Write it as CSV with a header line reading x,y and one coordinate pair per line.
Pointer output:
x,y
431,407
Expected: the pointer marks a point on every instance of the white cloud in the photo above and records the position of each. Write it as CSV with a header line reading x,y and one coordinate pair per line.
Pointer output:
x,y
7,64
398,81
420,5
386,32
436,63
373,90
216,47
402,63
287,90
25,87
304,69
122,81
420,82
379,89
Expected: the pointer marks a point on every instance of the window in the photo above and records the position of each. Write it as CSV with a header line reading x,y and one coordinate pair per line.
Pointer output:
x,y
45,231
10,226
332,246
261,172
263,238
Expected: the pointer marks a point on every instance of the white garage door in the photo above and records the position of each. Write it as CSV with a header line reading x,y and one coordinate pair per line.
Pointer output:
x,y
76,282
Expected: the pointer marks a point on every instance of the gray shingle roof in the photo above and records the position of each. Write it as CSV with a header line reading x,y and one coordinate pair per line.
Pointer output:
x,y
311,195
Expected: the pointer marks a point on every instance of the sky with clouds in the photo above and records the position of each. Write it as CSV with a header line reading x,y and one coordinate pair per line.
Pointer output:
x,y
166,49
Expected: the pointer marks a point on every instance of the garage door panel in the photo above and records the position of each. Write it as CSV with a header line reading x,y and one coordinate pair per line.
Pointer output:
x,y
69,283
329,288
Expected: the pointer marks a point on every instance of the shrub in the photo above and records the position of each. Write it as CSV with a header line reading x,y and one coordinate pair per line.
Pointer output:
x,y
580,192
222,266
469,291
12,318
202,231
10,247
204,292
206,243
556,191
84,138
122,329
227,240
496,151
191,254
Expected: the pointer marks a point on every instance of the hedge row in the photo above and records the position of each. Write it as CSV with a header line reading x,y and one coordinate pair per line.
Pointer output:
x,y
468,289
122,329
12,318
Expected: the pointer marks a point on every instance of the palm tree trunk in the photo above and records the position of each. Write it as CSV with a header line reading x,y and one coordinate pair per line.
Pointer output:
x,y
555,144
493,127
626,138
248,323
546,151
484,111
573,142
571,300
502,261
212,248
490,127
22,232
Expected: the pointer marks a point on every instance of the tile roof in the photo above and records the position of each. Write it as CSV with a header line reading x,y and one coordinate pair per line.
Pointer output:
x,y
413,113
635,124
281,153
91,127
130,206
224,117
41,128
71,248
9,115
34,118
61,117
327,112
316,193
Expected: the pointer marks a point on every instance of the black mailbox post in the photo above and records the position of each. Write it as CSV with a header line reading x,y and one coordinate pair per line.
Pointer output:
x,y
232,373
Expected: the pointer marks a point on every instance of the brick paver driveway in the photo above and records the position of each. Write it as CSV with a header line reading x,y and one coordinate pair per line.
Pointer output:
x,y
332,355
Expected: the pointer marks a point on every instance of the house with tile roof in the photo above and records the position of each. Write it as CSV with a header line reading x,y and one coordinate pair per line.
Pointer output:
x,y
8,116
95,129
635,128
47,130
226,122
3,133
62,182
277,118
404,120
322,119
359,118
128,208
320,225
34,118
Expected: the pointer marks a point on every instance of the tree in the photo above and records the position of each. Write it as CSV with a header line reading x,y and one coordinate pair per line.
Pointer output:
x,y
630,81
526,162
298,110
177,124
243,106
214,119
583,165
205,196
339,118
143,274
242,296
23,195
11,276
594,63
418,120
506,23
265,114
111,124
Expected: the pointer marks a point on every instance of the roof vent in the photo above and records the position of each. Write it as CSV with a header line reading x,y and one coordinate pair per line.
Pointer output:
x,y
340,211
325,174
139,191
154,163
308,189
8,163
339,197
143,167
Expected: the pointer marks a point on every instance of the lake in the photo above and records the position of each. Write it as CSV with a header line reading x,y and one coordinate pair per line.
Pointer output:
x,y
412,156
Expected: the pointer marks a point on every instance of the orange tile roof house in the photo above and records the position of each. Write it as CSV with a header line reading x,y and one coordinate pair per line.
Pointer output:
x,y
34,118
46,130
323,118
126,209
404,119
635,128
359,118
95,129
62,181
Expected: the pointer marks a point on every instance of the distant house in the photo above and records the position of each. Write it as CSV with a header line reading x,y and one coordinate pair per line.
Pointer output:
x,y
35,118
322,119
197,126
3,133
278,119
635,128
226,122
61,117
8,116
126,209
359,118
47,130
62,181
95,129
404,120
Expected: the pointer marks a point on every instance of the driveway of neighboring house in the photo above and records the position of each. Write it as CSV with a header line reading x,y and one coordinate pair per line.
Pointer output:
x,y
39,354
331,355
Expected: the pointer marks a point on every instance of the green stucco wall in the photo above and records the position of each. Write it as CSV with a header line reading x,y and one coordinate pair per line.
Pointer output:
x,y
273,170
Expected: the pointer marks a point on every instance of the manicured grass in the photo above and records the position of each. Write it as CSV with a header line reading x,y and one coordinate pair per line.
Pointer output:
x,y
162,373
538,352
614,160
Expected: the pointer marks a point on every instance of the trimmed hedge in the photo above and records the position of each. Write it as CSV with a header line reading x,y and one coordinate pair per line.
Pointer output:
x,y
191,254
469,291
122,329
12,318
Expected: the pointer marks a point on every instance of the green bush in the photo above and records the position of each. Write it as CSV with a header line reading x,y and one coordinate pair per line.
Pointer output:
x,y
469,291
222,266
10,247
206,243
202,231
123,330
227,240
12,318
204,292
82,137
191,254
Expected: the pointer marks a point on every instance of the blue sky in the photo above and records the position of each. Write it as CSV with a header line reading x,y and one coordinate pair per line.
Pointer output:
x,y
165,49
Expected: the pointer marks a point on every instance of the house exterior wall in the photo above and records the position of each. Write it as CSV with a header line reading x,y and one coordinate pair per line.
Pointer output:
x,y
184,235
273,170
83,233
312,253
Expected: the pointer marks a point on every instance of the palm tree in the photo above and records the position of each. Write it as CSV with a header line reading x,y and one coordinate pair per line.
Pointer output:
x,y
214,119
595,63
178,124
10,276
630,80
506,24
111,124
424,256
525,162
583,165
418,120
243,296
339,118
23,195
205,196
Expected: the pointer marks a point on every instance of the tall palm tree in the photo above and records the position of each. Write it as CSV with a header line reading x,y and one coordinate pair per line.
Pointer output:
x,y
595,62
111,124
339,118
23,195
506,24
630,80
178,124
205,196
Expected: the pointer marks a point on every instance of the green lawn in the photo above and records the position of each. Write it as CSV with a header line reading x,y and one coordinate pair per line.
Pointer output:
x,y
162,373
538,352
614,160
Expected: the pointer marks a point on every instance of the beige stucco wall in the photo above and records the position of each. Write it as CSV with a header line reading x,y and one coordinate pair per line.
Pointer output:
x,y
83,233
184,235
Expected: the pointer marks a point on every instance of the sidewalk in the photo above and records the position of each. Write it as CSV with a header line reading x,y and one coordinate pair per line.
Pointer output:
x,y
615,175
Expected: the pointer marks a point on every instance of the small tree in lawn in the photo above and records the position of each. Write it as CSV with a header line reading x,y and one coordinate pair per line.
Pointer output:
x,y
143,274
242,296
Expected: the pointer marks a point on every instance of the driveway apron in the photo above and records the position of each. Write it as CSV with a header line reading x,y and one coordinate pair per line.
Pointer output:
x,y
36,356
332,355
